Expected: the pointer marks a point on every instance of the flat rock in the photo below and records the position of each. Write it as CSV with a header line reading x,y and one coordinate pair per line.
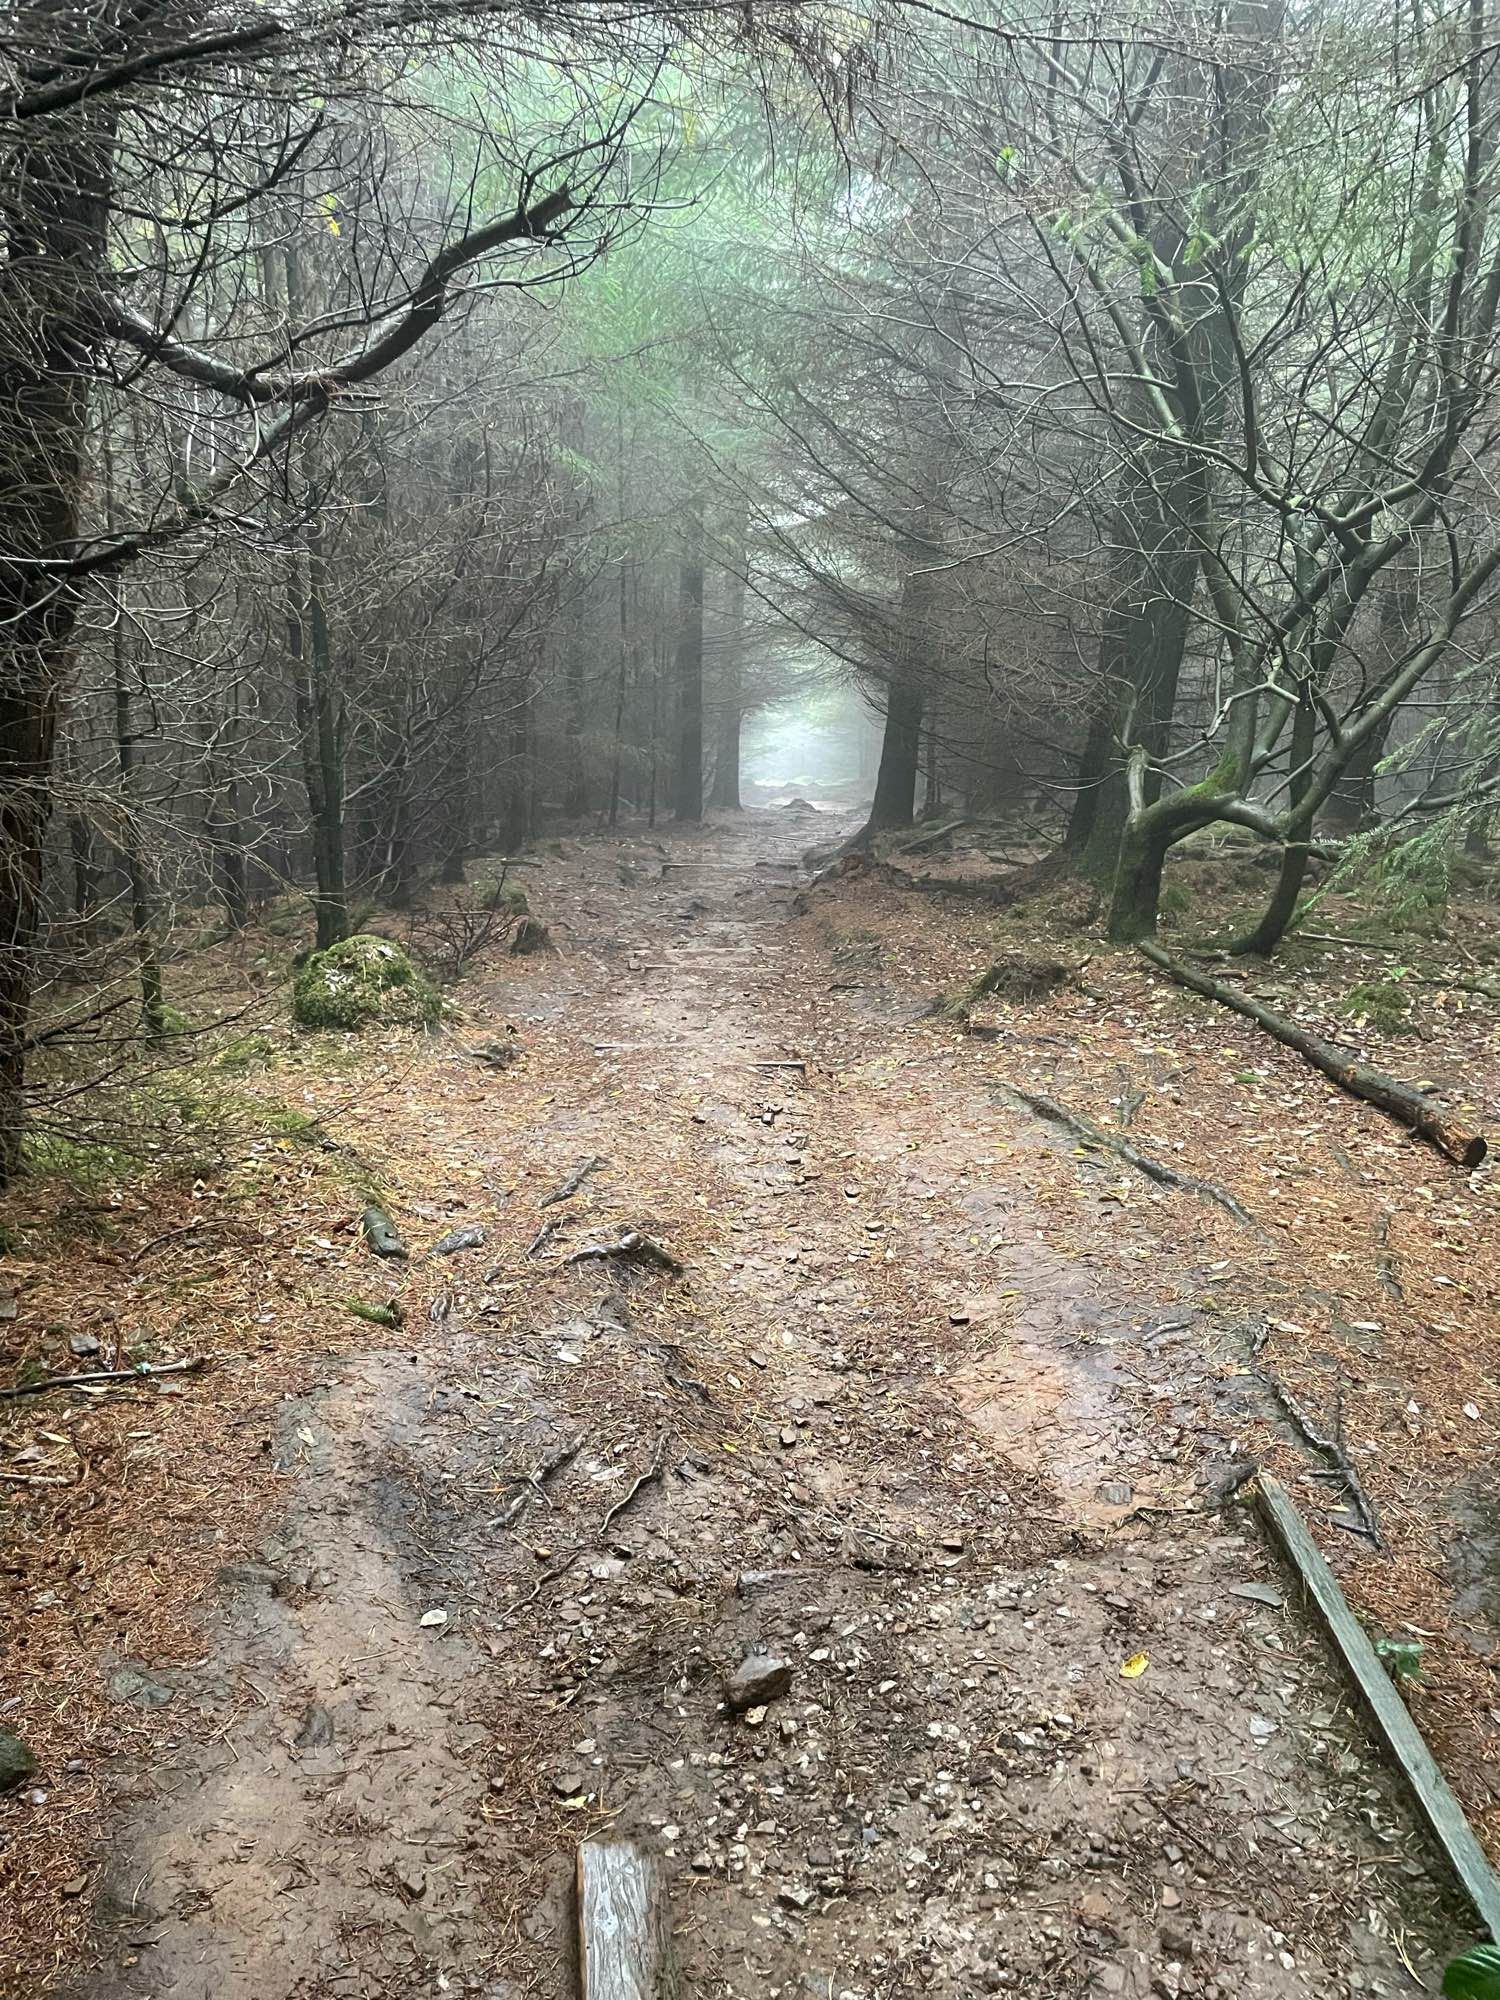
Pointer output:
x,y
139,1687
252,1576
316,1732
759,1678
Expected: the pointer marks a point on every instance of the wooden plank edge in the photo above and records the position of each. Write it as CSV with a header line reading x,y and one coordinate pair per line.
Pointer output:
x,y
1439,1808
626,1949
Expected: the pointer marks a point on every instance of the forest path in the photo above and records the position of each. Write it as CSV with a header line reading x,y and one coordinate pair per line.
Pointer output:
x,y
894,1426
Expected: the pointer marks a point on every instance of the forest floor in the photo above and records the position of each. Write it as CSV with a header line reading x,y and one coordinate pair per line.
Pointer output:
x,y
941,1409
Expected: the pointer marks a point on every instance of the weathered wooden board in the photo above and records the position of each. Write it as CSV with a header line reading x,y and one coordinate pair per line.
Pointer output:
x,y
625,1949
1438,1806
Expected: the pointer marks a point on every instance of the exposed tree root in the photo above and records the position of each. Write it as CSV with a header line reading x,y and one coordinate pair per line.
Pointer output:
x,y
1332,1447
1111,1142
533,1485
1015,977
1416,1109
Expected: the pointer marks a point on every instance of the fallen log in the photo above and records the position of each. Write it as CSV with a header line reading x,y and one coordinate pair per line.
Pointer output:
x,y
625,1949
1416,1109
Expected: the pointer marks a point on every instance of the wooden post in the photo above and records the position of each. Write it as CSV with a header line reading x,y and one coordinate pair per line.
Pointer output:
x,y
1438,1806
625,1949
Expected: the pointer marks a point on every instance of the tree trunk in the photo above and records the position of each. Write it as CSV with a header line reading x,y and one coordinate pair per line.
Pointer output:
x,y
895,801
132,852
725,795
1140,651
321,727
224,821
516,828
1093,768
457,805
576,790
687,775
1282,907
932,796
621,675
80,844
1350,806
54,200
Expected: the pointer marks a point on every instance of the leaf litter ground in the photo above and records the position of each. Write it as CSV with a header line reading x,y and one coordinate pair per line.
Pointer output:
x,y
331,1654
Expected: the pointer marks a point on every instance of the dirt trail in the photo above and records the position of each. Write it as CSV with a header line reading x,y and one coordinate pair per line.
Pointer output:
x,y
888,1428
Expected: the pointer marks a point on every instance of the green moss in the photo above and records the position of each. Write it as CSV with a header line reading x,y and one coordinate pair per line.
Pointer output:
x,y
1381,1002
244,1052
363,982
1175,899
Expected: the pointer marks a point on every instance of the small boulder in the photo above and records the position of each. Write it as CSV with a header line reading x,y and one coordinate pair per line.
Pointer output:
x,y
759,1678
364,982
16,1762
140,1687
468,1236
529,935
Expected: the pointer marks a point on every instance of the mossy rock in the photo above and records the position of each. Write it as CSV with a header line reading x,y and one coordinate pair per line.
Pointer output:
x,y
17,1764
364,982
1385,1005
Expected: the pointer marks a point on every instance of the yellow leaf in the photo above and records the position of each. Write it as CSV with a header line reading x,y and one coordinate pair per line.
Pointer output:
x,y
1135,1666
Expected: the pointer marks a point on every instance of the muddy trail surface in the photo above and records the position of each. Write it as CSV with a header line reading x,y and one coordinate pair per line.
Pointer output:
x,y
798,1369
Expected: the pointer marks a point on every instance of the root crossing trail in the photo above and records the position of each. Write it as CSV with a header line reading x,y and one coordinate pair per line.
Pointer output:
x,y
1054,1725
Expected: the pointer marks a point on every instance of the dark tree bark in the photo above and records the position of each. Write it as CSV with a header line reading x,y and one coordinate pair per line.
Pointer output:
x,y
1295,856
895,801
1140,653
54,195
687,770
622,674
130,843
224,820
516,824
1351,804
85,867
320,723
724,795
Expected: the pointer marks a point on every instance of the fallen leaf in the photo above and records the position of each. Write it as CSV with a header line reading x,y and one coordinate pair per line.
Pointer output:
x,y
1135,1666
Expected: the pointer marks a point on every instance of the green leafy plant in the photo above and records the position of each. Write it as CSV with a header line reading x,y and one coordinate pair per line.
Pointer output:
x,y
1474,1975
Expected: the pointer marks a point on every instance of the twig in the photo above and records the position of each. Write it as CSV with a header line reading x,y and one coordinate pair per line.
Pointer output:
x,y
534,1483
145,1371
573,1183
649,1477
187,1229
